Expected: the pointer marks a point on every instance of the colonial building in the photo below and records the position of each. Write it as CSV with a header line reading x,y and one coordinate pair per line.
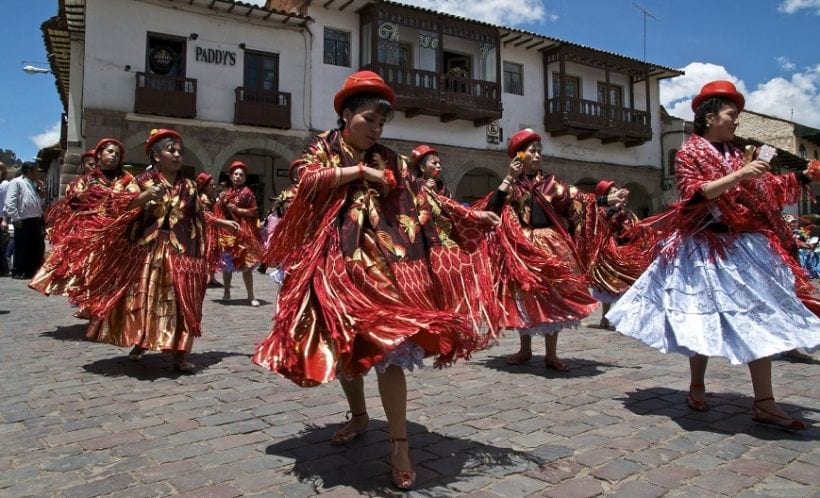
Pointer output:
x,y
254,83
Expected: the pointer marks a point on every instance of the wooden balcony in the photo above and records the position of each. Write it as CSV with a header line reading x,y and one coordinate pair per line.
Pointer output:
x,y
262,108
433,94
591,119
165,96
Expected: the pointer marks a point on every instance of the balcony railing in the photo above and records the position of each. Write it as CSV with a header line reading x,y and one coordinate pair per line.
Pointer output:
x,y
165,96
450,97
262,108
592,119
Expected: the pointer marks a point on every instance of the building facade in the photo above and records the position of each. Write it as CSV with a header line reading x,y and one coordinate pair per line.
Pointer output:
x,y
240,81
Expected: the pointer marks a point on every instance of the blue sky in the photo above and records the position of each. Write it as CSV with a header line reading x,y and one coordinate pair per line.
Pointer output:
x,y
769,48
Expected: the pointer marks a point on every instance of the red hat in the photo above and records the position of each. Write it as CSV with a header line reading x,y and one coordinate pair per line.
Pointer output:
x,y
202,179
603,187
521,139
105,141
88,153
719,88
363,82
158,134
238,164
420,153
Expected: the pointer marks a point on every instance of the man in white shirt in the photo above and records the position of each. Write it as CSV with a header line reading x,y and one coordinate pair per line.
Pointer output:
x,y
24,208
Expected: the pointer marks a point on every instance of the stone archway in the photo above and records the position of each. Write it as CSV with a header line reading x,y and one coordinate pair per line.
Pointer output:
x,y
640,202
476,183
267,160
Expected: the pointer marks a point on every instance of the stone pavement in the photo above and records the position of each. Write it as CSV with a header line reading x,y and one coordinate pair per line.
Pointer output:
x,y
78,419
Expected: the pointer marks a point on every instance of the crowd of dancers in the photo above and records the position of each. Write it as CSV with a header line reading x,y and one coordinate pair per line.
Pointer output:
x,y
380,268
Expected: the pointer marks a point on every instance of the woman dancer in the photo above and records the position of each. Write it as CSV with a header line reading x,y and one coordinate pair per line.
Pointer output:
x,y
242,250
369,282
148,285
725,283
427,163
541,280
613,267
84,204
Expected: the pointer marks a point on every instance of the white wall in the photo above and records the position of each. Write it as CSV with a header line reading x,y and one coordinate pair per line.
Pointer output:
x,y
116,36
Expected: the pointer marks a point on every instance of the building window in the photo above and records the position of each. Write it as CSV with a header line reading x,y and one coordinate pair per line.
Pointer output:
x,y
337,47
395,53
572,86
261,71
673,154
803,152
513,78
616,94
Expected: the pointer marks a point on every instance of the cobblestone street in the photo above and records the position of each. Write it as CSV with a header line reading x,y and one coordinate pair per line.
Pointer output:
x,y
78,419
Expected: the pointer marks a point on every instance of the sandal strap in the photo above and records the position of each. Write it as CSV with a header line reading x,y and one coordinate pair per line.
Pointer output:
x,y
762,400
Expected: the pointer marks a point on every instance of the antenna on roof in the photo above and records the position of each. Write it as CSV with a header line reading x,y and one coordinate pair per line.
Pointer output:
x,y
646,14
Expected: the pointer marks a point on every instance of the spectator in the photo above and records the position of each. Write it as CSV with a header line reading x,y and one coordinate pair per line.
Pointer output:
x,y
24,208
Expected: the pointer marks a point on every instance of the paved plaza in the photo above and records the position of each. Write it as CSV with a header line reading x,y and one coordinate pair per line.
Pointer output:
x,y
78,419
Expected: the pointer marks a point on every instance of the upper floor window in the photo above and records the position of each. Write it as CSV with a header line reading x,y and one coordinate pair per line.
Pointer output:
x,y
337,47
803,152
513,78
673,154
261,71
572,86
616,94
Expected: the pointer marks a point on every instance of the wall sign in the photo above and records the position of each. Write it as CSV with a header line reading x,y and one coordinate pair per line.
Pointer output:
x,y
427,41
389,31
215,56
494,133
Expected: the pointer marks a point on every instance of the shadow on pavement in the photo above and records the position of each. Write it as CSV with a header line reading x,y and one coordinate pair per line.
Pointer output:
x,y
364,463
154,365
729,413
577,367
240,302
74,332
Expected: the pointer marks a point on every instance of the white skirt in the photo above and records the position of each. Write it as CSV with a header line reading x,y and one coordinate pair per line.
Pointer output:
x,y
742,307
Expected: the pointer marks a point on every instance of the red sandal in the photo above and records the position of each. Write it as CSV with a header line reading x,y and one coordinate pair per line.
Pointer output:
x,y
520,357
344,435
771,418
697,404
402,479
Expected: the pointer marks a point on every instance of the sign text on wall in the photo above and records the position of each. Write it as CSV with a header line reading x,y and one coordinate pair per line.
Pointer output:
x,y
215,56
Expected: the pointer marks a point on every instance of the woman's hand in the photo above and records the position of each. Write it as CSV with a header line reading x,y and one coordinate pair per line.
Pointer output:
x,y
156,192
754,169
617,197
373,175
515,168
430,183
487,218
230,225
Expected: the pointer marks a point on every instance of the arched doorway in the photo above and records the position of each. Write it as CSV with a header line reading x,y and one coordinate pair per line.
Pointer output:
x,y
639,200
267,175
475,184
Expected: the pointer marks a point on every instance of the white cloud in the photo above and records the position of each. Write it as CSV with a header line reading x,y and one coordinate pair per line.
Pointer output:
x,y
785,64
795,98
503,12
792,6
48,138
